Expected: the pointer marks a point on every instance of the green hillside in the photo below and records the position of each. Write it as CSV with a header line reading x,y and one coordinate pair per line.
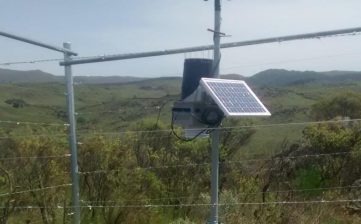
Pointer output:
x,y
110,107
113,107
37,76
34,76
280,77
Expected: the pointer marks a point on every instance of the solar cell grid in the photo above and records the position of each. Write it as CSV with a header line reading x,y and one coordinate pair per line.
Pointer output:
x,y
234,97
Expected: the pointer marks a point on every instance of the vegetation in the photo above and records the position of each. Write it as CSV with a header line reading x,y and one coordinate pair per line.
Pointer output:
x,y
128,176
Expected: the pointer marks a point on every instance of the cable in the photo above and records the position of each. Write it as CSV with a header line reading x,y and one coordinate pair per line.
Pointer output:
x,y
160,110
33,190
207,130
183,138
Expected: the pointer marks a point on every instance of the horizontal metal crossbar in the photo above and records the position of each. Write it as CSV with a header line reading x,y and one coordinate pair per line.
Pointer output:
x,y
210,47
37,43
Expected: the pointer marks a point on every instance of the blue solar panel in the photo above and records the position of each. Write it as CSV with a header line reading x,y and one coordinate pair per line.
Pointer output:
x,y
234,97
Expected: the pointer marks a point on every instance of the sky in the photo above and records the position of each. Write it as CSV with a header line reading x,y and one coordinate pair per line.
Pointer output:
x,y
100,27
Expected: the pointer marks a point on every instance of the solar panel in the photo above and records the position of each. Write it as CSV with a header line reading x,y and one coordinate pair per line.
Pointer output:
x,y
234,97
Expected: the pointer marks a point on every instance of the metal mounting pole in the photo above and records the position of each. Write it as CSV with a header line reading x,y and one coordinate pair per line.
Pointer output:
x,y
217,38
72,137
215,176
215,135
37,43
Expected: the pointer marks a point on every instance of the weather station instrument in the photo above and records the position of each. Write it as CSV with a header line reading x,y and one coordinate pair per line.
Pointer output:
x,y
207,99
212,101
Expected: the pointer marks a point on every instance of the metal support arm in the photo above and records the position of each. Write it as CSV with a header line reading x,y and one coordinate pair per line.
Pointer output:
x,y
38,43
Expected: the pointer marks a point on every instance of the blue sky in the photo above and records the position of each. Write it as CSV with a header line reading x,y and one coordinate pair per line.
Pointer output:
x,y
97,27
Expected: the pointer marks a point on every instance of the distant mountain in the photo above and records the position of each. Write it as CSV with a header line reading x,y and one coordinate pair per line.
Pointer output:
x,y
106,79
32,76
280,77
272,77
37,76
233,76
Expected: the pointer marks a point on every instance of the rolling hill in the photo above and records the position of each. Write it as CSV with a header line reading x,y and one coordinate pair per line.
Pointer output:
x,y
33,76
271,77
37,76
114,103
280,77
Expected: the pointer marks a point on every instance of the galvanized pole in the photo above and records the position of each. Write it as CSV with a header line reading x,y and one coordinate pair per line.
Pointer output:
x,y
72,137
216,133
217,38
37,43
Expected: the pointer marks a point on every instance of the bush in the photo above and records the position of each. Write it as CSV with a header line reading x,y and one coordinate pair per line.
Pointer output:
x,y
16,103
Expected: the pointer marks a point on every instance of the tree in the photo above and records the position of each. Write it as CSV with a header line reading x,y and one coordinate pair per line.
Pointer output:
x,y
30,171
344,105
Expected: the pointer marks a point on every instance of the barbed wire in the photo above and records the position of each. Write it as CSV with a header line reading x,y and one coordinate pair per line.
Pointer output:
x,y
181,165
236,127
309,202
34,123
294,157
169,130
35,157
27,136
242,193
224,129
145,168
208,164
34,190
114,135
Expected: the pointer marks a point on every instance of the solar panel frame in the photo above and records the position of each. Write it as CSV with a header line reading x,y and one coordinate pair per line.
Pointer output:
x,y
205,82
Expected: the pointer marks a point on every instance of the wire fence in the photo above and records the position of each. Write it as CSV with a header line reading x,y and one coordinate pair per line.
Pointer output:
x,y
128,205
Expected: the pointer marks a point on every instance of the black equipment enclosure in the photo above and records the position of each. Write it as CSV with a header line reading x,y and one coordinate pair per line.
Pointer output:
x,y
194,70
